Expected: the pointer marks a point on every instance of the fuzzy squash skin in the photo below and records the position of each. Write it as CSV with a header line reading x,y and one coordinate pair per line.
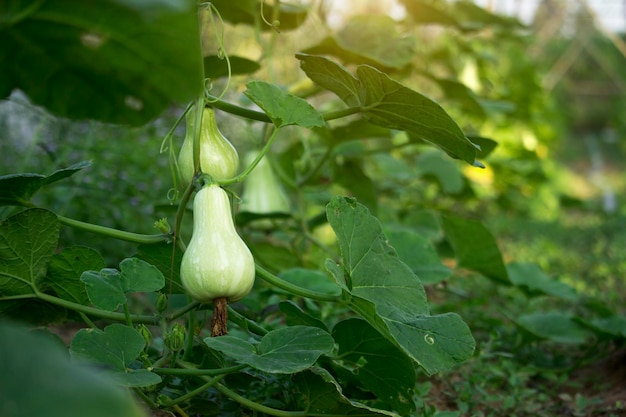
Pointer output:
x,y
217,262
218,157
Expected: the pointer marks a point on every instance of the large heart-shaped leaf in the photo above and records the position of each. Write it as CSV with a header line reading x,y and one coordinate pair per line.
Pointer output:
x,y
381,367
18,189
475,247
555,326
286,350
116,347
65,269
283,108
386,292
38,379
417,251
323,395
115,61
27,242
388,103
108,287
531,278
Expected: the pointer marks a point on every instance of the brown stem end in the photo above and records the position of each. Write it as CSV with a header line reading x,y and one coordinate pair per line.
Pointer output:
x,y
219,318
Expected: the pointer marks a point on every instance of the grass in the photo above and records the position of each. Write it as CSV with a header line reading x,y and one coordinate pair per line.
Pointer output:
x,y
512,375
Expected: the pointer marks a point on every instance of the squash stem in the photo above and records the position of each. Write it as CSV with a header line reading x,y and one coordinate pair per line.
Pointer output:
x,y
219,318
292,288
262,117
254,163
103,314
256,406
114,233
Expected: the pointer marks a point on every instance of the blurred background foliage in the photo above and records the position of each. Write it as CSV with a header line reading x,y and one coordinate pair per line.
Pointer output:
x,y
544,100
550,94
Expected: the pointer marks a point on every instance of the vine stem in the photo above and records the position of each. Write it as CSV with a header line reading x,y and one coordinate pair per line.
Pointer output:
x,y
262,117
114,233
294,289
316,168
103,314
256,406
254,163
238,111
237,318
111,315
338,114
183,310
197,372
196,391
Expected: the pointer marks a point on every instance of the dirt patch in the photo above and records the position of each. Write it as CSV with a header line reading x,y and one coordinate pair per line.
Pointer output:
x,y
601,388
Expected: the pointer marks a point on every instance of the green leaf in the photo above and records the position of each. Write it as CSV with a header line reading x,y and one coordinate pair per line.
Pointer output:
x,y
216,67
487,145
349,174
323,395
286,350
65,269
474,17
386,102
390,104
246,12
381,367
140,276
613,327
108,287
332,77
136,378
389,296
119,62
425,12
38,379
311,279
160,255
283,108
115,347
295,316
443,169
27,242
104,288
554,326
455,90
375,271
376,37
357,130
18,189
475,248
337,273
531,278
418,253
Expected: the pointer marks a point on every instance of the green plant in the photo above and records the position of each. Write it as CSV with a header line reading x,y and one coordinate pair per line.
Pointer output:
x,y
338,321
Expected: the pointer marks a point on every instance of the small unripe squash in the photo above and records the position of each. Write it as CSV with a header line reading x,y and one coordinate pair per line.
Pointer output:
x,y
218,157
217,262
262,191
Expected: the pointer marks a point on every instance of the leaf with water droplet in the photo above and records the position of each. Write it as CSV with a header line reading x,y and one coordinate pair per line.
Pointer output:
x,y
387,293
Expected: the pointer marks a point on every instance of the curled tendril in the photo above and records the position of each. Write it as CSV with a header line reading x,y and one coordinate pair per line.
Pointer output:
x,y
172,195
168,145
221,49
275,23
